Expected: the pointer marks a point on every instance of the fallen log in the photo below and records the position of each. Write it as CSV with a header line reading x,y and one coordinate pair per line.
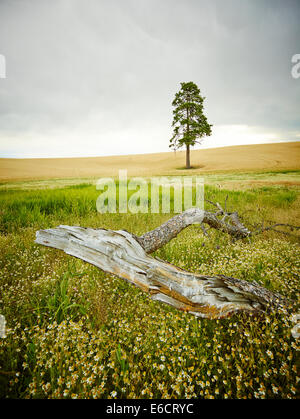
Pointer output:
x,y
153,240
127,256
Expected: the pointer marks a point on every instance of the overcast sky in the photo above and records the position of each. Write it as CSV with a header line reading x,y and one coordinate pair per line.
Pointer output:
x,y
97,77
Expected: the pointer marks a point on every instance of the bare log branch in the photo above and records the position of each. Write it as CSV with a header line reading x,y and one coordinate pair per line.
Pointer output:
x,y
126,256
243,232
153,240
272,228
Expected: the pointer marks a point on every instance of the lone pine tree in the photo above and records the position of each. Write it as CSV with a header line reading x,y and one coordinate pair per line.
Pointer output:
x,y
189,122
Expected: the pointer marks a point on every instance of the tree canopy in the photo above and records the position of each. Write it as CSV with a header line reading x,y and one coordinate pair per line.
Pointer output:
x,y
189,122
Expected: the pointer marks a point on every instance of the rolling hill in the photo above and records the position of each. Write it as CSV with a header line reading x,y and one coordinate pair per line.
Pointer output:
x,y
259,157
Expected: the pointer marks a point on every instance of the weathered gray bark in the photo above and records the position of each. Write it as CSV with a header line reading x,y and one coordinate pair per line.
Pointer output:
x,y
127,256
157,238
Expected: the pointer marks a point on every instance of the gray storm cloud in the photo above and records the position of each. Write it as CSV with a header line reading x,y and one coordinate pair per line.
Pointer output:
x,y
98,77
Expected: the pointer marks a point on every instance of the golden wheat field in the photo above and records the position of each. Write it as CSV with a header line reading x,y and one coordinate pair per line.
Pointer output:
x,y
256,157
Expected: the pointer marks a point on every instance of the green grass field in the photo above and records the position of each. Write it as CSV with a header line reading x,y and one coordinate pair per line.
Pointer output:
x,y
73,331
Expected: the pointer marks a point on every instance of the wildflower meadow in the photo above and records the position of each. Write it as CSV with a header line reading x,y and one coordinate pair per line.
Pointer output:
x,y
73,331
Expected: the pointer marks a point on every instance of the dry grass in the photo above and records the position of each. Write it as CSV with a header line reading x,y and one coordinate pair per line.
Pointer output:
x,y
281,156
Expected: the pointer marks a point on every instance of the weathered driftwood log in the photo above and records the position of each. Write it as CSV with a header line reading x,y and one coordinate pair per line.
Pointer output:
x,y
157,238
127,256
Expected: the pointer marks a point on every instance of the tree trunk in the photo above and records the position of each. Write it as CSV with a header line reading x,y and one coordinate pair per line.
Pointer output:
x,y
187,157
154,239
127,256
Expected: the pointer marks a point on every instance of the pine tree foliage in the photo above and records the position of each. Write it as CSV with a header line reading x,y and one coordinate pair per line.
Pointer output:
x,y
189,122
